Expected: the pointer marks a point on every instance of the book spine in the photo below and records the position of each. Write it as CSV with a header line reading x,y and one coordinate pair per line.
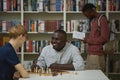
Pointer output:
x,y
4,5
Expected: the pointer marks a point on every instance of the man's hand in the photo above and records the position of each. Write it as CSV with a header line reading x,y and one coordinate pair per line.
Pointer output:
x,y
54,66
85,40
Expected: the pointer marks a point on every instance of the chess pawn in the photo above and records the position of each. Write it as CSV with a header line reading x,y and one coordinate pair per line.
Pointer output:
x,y
39,71
36,69
42,70
30,70
33,66
49,70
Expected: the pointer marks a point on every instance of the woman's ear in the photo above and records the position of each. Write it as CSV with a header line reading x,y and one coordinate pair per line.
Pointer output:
x,y
20,36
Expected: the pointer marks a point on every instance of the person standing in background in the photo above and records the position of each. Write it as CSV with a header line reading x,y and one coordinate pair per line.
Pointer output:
x,y
60,54
96,38
10,66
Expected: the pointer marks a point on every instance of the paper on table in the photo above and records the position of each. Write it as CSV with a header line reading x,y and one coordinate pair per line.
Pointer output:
x,y
78,35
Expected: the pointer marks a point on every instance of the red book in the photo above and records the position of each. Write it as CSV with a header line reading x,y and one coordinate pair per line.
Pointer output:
x,y
8,5
14,5
29,46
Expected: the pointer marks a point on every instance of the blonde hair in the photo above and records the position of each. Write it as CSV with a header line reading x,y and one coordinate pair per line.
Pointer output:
x,y
16,31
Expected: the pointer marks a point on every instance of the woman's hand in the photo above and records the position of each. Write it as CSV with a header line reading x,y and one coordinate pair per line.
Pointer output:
x,y
16,75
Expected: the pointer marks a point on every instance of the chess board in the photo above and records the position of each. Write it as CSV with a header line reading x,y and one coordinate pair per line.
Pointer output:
x,y
51,74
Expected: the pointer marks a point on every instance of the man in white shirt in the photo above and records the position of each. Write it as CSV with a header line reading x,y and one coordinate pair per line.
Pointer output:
x,y
60,54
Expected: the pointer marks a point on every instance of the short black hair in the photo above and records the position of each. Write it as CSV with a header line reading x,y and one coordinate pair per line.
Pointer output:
x,y
61,32
87,7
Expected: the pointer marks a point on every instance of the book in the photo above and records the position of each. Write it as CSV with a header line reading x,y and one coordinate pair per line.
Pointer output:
x,y
1,41
78,35
5,39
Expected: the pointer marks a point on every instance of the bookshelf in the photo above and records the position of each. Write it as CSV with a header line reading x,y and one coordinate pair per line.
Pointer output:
x,y
112,61
64,13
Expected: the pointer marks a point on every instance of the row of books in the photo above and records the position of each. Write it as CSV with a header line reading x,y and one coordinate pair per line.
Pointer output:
x,y
31,5
34,46
33,25
114,5
115,25
10,5
43,5
49,5
43,26
6,25
58,5
77,5
81,25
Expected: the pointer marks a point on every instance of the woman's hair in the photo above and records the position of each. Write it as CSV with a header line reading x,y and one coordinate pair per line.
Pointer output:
x,y
87,7
16,31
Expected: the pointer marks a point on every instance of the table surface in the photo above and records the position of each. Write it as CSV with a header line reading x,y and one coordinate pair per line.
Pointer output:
x,y
71,75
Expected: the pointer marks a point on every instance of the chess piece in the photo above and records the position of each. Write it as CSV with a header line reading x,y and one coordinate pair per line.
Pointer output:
x,y
39,71
75,73
36,69
60,72
42,70
34,66
49,70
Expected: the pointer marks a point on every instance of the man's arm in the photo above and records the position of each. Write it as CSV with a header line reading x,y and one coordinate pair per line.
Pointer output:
x,y
62,66
22,70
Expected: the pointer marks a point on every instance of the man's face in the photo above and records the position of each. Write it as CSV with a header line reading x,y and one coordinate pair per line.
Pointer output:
x,y
58,41
89,14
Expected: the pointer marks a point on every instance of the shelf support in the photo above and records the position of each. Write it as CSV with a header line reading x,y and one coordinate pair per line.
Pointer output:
x,y
22,20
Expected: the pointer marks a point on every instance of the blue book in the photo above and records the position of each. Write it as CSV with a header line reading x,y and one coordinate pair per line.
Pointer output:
x,y
58,5
34,5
